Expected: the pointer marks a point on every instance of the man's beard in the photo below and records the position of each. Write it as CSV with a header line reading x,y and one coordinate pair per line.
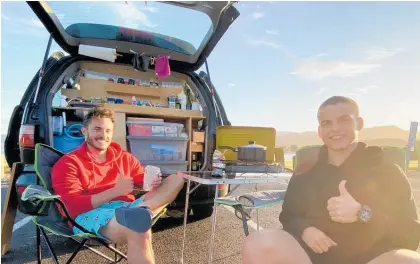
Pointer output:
x,y
90,142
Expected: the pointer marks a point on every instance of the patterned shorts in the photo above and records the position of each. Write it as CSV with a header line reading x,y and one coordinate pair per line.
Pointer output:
x,y
100,216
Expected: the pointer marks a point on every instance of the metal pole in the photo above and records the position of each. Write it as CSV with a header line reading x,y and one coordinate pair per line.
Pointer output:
x,y
42,70
213,225
187,197
258,213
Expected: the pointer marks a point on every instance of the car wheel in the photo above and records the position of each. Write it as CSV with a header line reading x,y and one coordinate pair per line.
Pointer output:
x,y
203,211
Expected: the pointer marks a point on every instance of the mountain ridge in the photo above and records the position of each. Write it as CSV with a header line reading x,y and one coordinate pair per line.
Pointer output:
x,y
378,135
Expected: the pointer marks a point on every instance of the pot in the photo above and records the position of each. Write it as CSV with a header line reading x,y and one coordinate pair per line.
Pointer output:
x,y
251,152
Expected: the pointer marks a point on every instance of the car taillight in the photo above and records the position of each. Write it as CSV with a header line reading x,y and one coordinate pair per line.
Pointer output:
x,y
21,189
27,136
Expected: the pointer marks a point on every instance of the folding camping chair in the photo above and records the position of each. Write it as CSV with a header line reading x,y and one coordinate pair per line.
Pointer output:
x,y
246,203
48,217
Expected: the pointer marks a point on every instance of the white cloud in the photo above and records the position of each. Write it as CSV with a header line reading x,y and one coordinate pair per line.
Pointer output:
x,y
321,91
5,17
319,70
35,23
270,44
130,15
258,15
231,84
363,90
33,32
26,26
320,55
381,53
60,16
272,32
366,89
256,42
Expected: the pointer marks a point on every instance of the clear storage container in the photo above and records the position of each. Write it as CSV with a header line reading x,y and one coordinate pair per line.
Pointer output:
x,y
167,167
156,129
158,148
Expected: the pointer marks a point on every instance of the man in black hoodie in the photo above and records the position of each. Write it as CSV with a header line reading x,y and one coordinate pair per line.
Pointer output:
x,y
349,206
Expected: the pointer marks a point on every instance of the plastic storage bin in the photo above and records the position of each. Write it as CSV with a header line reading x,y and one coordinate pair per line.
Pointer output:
x,y
158,148
145,129
168,167
156,129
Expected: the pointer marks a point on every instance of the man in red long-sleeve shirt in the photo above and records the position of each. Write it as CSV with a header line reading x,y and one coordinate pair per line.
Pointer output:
x,y
96,183
349,206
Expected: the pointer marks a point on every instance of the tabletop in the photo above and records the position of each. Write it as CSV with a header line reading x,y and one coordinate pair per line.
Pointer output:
x,y
243,178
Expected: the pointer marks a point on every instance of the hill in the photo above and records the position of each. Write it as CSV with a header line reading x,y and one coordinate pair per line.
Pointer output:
x,y
379,136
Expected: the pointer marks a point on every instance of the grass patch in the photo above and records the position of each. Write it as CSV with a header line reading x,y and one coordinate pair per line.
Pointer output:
x,y
5,170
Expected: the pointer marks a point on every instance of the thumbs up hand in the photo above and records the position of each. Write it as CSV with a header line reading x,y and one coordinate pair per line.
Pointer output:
x,y
344,208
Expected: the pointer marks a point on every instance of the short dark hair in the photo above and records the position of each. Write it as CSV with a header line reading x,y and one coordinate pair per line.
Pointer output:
x,y
98,112
338,100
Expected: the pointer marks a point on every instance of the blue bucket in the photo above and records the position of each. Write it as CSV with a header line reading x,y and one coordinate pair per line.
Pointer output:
x,y
71,139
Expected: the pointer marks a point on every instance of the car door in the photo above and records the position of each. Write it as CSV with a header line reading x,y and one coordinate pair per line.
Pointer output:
x,y
11,143
185,31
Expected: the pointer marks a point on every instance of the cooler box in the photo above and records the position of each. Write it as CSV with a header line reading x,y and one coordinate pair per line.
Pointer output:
x,y
156,148
71,138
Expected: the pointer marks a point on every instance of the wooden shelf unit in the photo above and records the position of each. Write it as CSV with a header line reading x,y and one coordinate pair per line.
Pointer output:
x,y
97,88
188,118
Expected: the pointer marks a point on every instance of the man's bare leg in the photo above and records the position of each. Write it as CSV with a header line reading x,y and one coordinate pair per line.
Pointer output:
x,y
140,248
139,245
160,197
401,256
273,246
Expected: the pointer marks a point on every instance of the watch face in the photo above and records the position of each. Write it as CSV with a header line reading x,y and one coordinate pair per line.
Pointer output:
x,y
365,214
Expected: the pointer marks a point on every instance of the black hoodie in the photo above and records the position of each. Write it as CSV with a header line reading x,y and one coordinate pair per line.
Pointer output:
x,y
372,181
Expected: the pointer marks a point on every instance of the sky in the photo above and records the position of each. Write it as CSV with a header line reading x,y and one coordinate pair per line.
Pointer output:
x,y
275,65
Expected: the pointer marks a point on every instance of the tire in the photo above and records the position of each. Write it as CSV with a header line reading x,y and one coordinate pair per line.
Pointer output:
x,y
203,211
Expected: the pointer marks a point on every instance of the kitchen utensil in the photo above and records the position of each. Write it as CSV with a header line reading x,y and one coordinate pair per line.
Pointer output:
x,y
251,152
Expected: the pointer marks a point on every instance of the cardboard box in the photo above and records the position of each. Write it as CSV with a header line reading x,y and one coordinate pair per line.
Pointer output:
x,y
198,137
197,147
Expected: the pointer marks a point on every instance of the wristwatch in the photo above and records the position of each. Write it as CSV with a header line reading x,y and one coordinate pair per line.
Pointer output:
x,y
365,214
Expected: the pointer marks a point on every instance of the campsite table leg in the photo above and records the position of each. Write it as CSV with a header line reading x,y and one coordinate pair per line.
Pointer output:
x,y
187,197
213,224
258,215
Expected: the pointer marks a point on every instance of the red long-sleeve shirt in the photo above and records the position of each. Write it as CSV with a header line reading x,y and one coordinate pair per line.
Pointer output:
x,y
76,177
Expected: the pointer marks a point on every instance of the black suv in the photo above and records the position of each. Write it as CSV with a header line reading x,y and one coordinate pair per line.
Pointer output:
x,y
31,120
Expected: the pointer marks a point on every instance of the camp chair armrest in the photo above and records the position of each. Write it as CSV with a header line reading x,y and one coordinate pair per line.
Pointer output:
x,y
37,193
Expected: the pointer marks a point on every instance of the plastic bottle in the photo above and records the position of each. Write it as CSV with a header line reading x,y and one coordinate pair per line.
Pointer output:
x,y
133,100
182,100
